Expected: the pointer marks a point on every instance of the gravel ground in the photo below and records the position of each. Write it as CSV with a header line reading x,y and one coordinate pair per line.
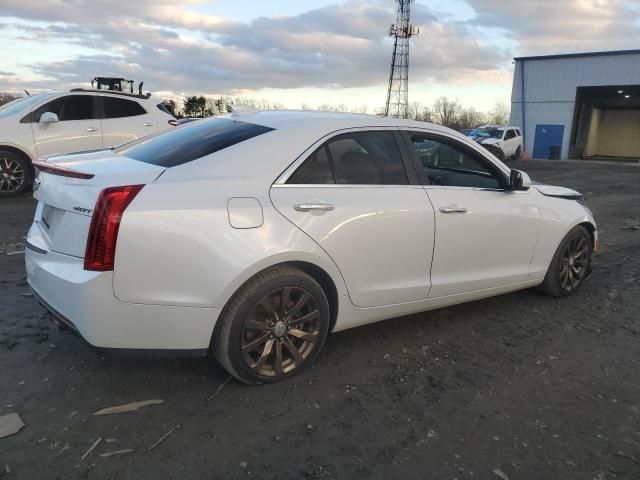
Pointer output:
x,y
519,386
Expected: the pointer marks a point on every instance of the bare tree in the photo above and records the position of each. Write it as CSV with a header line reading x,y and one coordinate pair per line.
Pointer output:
x,y
426,115
471,118
413,110
499,114
364,108
446,112
7,97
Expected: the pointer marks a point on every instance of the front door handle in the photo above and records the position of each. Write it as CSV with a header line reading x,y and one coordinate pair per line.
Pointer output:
x,y
453,210
91,129
148,124
307,207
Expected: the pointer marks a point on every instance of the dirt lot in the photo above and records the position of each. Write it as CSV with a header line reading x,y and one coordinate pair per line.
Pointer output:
x,y
519,386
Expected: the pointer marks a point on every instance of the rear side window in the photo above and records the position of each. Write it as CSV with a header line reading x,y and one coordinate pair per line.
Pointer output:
x,y
367,158
120,107
184,145
315,170
71,107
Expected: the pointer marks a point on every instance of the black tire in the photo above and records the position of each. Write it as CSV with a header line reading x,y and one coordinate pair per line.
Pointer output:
x,y
234,332
518,154
556,283
15,174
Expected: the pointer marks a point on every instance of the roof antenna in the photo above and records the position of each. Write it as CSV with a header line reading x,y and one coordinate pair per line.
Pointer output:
x,y
28,94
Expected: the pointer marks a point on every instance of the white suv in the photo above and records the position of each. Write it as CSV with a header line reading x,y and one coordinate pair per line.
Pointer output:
x,y
63,122
505,142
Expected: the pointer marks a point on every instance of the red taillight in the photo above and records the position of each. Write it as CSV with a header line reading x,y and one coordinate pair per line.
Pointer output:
x,y
105,223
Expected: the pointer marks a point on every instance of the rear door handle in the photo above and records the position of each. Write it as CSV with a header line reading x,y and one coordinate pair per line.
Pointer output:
x,y
147,124
307,207
91,129
453,210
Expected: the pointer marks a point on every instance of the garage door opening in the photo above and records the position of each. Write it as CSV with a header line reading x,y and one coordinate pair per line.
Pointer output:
x,y
606,123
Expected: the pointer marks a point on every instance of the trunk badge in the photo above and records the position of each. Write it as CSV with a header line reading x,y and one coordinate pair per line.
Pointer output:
x,y
83,210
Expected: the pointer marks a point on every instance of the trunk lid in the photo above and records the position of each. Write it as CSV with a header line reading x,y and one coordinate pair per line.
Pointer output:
x,y
66,203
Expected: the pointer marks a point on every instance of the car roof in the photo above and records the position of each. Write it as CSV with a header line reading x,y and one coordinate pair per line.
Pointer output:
x,y
132,96
328,121
498,127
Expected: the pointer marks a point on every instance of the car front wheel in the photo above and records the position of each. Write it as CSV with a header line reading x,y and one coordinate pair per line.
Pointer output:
x,y
571,264
273,327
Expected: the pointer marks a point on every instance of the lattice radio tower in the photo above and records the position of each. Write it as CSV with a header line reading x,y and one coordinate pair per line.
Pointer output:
x,y
402,31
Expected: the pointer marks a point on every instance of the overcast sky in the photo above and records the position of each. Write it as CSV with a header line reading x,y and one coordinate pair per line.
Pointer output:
x,y
299,51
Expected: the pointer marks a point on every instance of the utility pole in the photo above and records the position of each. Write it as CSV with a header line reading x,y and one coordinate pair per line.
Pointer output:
x,y
402,31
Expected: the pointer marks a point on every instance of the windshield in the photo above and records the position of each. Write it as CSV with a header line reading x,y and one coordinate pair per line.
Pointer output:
x,y
24,103
488,132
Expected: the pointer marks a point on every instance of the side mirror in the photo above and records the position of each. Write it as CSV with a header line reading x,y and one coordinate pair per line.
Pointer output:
x,y
519,180
48,117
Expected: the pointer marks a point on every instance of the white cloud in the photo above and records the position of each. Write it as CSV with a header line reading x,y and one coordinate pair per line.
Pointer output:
x,y
175,49
551,26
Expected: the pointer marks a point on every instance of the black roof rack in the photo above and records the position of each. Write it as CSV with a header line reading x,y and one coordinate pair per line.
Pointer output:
x,y
112,92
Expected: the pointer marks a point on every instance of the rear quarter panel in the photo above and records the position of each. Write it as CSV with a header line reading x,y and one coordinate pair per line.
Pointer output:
x,y
177,247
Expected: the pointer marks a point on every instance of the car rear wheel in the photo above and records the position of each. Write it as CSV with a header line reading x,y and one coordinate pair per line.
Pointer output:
x,y
571,264
273,327
15,174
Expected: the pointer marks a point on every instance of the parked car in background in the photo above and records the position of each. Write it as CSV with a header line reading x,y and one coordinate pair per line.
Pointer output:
x,y
250,237
54,123
467,132
505,142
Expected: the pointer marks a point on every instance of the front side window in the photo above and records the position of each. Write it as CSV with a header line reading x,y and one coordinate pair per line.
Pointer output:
x,y
183,145
510,134
69,108
447,163
121,107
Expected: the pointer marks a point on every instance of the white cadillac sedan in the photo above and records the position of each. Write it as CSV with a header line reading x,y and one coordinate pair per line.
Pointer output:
x,y
251,237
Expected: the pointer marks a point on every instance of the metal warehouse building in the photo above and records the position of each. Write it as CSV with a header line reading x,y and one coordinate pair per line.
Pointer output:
x,y
583,105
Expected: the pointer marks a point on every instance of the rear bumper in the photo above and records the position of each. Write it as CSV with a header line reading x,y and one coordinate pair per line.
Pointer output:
x,y
84,302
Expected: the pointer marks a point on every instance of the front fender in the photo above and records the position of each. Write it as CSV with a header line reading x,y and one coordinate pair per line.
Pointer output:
x,y
558,216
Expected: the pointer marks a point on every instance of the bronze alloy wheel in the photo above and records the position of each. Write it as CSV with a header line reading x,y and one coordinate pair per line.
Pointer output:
x,y
575,260
281,331
12,175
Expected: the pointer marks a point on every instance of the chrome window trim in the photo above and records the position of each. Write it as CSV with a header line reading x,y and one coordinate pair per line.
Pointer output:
x,y
342,185
284,176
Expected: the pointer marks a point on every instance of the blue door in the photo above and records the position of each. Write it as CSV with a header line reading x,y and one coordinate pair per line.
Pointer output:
x,y
548,141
